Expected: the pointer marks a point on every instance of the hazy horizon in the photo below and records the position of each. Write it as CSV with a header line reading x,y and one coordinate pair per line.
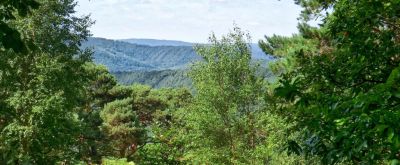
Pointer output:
x,y
189,20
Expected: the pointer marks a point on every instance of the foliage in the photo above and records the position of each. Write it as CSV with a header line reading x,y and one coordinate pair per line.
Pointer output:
x,y
112,161
93,143
336,99
163,145
345,94
41,87
228,122
285,49
121,126
137,121
101,83
10,37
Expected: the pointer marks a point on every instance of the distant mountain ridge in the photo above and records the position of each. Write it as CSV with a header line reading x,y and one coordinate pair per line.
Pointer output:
x,y
256,50
156,42
120,56
134,55
159,63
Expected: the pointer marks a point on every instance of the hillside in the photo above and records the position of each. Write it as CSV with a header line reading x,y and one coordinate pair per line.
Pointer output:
x,y
158,63
121,56
155,79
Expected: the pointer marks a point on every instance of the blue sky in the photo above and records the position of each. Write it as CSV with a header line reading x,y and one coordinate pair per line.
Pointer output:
x,y
189,20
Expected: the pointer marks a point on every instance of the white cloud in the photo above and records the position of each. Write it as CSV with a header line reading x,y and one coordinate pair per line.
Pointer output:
x,y
189,20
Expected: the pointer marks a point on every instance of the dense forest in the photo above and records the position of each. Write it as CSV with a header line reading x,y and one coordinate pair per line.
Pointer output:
x,y
155,79
334,99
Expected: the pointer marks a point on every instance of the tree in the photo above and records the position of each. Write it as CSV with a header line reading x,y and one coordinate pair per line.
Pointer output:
x,y
137,123
122,127
93,144
228,122
42,88
345,93
163,145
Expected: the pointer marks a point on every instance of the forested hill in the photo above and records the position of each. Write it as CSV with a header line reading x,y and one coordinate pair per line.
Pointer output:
x,y
158,63
255,49
147,54
123,56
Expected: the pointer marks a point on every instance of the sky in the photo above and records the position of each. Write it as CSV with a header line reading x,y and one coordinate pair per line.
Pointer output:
x,y
189,20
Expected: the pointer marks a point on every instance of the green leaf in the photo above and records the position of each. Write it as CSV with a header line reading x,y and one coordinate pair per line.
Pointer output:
x,y
395,162
340,122
390,135
380,128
